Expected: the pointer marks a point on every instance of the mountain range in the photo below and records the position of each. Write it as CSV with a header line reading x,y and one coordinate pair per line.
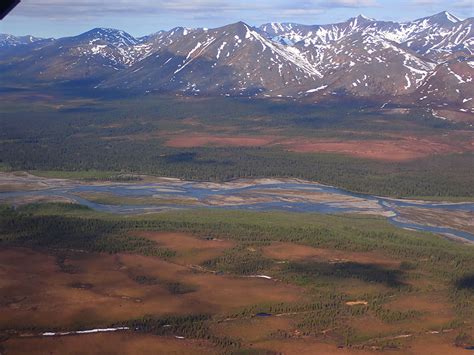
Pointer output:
x,y
427,62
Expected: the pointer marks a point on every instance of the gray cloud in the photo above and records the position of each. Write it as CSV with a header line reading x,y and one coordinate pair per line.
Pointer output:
x,y
58,17
94,8
349,3
468,4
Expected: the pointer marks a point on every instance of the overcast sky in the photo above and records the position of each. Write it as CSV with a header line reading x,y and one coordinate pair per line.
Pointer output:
x,y
56,18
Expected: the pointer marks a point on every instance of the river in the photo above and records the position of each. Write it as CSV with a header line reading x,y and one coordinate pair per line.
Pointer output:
x,y
256,194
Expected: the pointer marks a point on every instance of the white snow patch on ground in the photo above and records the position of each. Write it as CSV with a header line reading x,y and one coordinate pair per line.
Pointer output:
x,y
457,76
317,89
408,85
98,48
88,331
188,59
261,277
451,17
220,49
435,114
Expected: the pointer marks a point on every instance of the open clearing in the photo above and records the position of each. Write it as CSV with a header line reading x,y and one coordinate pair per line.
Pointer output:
x,y
291,251
203,295
95,289
394,148
101,344
189,141
133,343
190,249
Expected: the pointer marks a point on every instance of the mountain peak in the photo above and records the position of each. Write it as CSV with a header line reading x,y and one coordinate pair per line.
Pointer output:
x,y
7,40
363,17
359,20
444,17
104,30
239,28
356,57
239,24
451,17
180,30
109,35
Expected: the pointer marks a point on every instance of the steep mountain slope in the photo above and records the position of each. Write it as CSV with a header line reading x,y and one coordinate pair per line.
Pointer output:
x,y
291,33
367,65
450,85
234,60
91,55
7,40
425,62
433,36
368,58
13,48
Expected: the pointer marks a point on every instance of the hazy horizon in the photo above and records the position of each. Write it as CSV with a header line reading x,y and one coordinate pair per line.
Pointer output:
x,y
59,18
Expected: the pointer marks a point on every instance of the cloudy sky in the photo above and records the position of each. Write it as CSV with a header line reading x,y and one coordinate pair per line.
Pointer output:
x,y
56,18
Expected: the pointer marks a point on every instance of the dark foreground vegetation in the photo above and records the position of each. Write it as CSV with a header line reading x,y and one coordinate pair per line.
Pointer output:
x,y
426,264
69,226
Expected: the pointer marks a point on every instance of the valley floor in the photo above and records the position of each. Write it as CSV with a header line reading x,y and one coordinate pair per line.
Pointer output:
x,y
212,281
154,194
223,225
353,145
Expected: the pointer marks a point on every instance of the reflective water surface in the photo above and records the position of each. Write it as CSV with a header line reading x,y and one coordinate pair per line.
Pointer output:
x,y
258,194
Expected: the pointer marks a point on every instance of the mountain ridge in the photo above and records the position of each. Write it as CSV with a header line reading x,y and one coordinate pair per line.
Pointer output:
x,y
360,57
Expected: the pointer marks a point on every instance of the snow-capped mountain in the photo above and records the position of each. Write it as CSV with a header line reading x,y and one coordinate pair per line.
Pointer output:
x,y
426,62
440,33
291,33
367,65
235,60
450,83
14,41
90,56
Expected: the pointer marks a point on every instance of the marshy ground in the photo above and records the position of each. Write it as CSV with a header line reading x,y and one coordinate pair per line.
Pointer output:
x,y
352,296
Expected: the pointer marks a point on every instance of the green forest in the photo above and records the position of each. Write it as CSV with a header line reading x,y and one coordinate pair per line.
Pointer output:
x,y
118,137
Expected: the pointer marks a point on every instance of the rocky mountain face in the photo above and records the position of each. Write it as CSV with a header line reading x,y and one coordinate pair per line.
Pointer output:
x,y
232,60
7,41
427,62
